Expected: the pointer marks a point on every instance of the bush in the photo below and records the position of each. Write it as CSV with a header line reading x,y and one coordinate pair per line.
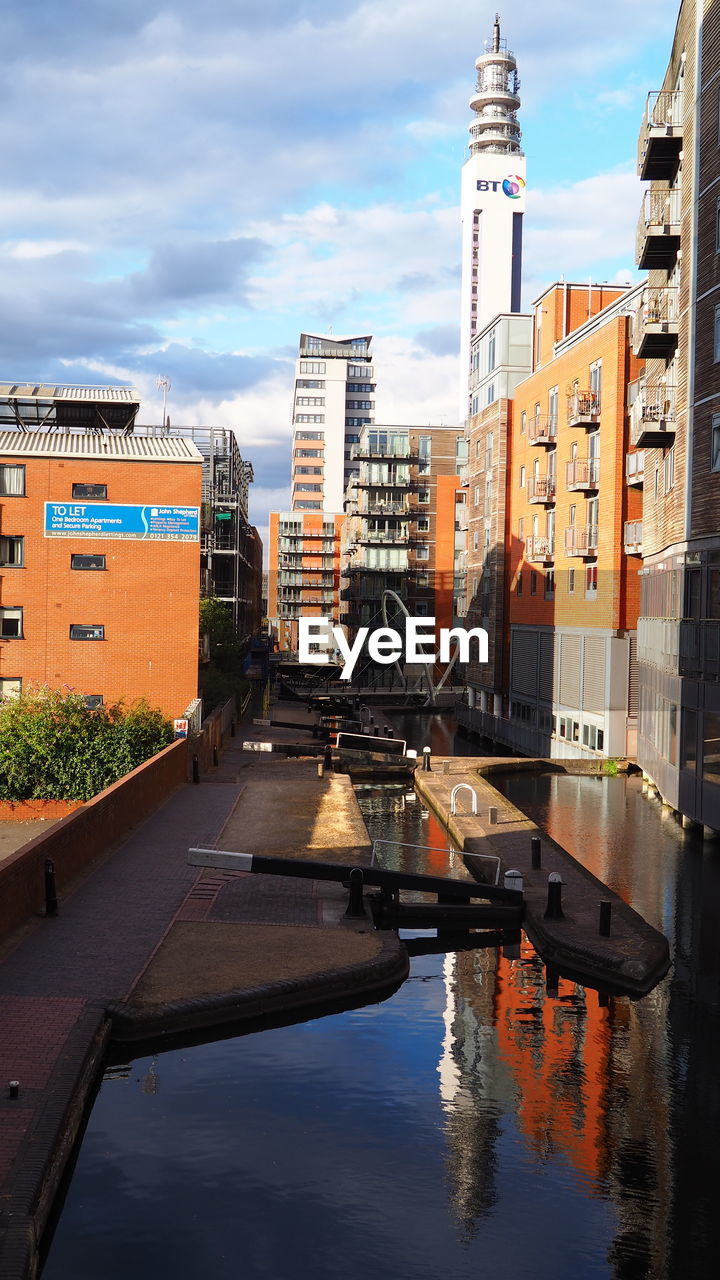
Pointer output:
x,y
53,747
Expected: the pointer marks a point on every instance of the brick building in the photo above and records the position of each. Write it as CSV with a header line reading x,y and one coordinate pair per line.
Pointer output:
x,y
303,571
677,421
557,582
99,585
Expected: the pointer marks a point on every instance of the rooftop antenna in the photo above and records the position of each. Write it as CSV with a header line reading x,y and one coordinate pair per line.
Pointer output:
x,y
496,34
164,384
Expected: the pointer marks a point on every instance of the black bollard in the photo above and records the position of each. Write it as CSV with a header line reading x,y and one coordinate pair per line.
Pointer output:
x,y
376,731
535,853
196,769
552,980
13,1089
327,756
51,902
426,766
232,728
389,732
605,917
215,757
355,908
554,901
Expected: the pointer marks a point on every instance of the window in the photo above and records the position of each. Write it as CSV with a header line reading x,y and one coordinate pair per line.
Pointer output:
x,y
476,540
80,631
520,583
549,585
711,748
553,404
522,477
311,401
596,379
309,488
11,624
715,448
309,435
423,524
717,225
78,561
312,366
10,687
491,351
591,580
422,551
477,495
688,758
571,581
523,422
309,417
92,700
423,497
12,481
489,451
669,470
12,552
313,383
309,453
423,580
421,608
533,582
89,491
521,528
716,355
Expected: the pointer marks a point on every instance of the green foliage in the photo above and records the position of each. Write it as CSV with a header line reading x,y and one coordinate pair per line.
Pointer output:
x,y
216,621
610,768
218,686
53,747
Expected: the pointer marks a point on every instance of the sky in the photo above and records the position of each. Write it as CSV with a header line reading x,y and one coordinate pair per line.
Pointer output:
x,y
188,187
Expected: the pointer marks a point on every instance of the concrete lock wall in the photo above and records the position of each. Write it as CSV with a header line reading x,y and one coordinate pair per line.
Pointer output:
x,y
79,838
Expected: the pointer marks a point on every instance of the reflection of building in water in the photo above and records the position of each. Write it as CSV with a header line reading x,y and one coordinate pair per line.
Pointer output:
x,y
586,1084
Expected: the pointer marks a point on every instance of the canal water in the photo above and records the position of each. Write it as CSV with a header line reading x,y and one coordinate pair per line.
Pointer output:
x,y
471,1125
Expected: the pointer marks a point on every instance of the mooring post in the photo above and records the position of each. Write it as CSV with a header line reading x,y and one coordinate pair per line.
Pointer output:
x,y
492,815
51,902
535,853
13,1089
554,909
514,880
426,766
321,769
196,769
355,906
327,756
215,756
605,918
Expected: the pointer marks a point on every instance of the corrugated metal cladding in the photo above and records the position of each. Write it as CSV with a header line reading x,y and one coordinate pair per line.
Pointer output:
x,y
633,677
524,666
569,668
77,444
49,391
546,683
594,660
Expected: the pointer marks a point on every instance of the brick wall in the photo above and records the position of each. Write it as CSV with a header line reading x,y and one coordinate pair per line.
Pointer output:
x,y
77,840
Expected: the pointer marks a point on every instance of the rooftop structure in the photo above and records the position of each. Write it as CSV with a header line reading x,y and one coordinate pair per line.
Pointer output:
x,y
28,406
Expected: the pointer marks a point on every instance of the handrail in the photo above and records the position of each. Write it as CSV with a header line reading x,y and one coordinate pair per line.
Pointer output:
x,y
463,786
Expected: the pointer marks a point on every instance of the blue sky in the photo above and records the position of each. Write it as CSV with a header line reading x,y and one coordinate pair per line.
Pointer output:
x,y
187,188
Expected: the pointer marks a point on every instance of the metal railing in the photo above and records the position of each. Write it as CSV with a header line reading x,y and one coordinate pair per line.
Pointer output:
x,y
541,489
660,210
582,473
583,407
654,405
541,429
581,539
539,547
632,536
658,310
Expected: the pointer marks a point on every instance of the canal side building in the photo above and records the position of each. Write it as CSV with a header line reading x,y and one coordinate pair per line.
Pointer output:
x,y
677,422
558,508
99,588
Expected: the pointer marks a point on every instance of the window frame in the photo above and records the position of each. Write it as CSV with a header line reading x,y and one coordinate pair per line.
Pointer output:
x,y
89,497
12,609
87,626
87,568
13,564
13,466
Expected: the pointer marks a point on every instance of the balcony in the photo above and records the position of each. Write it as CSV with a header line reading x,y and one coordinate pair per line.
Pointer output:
x,y
583,409
661,136
541,489
700,648
390,482
401,509
655,324
635,467
540,549
582,474
632,538
371,453
393,538
657,238
581,540
652,416
542,429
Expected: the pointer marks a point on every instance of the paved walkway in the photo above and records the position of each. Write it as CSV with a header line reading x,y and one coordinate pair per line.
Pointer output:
x,y
126,928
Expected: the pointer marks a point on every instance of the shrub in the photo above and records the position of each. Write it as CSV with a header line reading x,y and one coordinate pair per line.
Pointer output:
x,y
53,747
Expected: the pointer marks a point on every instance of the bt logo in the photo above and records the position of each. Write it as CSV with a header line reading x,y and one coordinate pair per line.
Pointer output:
x,y
511,186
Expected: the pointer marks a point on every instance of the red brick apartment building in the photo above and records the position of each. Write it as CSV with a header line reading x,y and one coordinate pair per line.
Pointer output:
x,y
556,581
303,571
99,565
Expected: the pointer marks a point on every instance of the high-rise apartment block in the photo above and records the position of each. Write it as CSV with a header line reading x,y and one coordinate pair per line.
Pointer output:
x,y
334,398
492,200
304,571
676,420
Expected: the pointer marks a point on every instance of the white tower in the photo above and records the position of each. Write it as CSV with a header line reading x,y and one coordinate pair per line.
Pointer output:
x,y
492,200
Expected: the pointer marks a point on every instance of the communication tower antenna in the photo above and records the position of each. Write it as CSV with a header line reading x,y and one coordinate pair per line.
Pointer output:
x,y
164,384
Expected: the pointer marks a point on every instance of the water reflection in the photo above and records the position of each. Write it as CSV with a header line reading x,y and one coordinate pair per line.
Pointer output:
x,y
470,1125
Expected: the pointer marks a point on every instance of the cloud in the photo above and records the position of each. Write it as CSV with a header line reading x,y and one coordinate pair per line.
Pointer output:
x,y
441,340
196,271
